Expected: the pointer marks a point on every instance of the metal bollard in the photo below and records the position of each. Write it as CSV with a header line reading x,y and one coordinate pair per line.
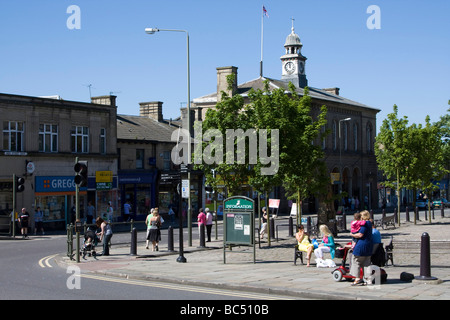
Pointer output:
x,y
170,239
272,228
344,221
407,214
202,236
442,210
425,260
371,214
133,246
383,213
308,224
396,215
291,227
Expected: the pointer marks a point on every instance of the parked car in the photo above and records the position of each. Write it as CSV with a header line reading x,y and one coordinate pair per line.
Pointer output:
x,y
422,203
437,203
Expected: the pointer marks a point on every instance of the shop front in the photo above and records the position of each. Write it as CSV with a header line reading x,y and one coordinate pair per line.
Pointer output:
x,y
139,189
55,195
168,193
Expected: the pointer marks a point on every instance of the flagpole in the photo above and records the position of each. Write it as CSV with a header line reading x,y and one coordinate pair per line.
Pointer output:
x,y
262,41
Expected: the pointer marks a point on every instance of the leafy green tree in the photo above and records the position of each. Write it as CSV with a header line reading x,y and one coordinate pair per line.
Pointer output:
x,y
410,157
305,171
285,120
391,154
431,159
227,115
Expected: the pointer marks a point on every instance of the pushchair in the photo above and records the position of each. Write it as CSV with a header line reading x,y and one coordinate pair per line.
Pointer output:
x,y
89,243
343,272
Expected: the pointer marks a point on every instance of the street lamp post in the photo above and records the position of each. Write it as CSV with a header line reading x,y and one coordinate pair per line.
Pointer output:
x,y
340,155
181,258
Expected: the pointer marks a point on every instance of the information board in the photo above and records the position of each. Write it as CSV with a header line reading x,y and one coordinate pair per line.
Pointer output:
x,y
239,220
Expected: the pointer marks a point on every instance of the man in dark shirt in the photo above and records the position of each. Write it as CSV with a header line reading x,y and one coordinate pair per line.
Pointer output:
x,y
24,217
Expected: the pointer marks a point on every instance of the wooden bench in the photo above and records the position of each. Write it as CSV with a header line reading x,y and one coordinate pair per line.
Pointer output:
x,y
389,249
298,254
386,221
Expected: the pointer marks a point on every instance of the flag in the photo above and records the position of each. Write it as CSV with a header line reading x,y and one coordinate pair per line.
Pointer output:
x,y
265,12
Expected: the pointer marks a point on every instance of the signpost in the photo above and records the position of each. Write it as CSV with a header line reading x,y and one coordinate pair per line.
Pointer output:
x,y
239,224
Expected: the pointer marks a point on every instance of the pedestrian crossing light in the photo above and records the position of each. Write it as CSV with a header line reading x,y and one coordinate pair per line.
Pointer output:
x,y
19,184
81,173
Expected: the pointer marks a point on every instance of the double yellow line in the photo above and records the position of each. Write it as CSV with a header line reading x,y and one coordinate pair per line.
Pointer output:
x,y
45,261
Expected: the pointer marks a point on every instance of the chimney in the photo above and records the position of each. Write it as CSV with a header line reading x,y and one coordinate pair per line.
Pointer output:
x,y
334,91
222,83
106,100
152,110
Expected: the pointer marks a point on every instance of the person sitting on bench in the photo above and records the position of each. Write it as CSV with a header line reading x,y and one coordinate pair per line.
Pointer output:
x,y
304,243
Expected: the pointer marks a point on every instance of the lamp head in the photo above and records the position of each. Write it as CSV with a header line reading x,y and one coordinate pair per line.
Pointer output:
x,y
151,30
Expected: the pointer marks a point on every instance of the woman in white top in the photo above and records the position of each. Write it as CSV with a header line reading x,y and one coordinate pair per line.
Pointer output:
x,y
209,222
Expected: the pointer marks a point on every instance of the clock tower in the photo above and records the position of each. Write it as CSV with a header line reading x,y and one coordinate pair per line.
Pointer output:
x,y
293,62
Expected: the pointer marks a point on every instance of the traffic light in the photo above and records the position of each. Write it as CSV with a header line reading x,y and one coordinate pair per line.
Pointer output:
x,y
19,184
81,173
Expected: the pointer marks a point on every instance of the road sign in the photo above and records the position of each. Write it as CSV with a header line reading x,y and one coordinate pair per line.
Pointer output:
x,y
185,188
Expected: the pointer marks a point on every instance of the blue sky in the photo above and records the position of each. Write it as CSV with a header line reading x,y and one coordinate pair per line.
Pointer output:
x,y
406,62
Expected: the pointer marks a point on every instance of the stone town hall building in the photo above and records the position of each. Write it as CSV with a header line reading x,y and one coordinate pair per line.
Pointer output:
x,y
352,150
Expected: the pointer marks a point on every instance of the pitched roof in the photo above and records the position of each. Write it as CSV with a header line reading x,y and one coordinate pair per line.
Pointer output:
x,y
315,93
144,129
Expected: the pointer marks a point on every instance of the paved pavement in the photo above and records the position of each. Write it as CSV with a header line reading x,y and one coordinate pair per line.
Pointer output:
x,y
274,271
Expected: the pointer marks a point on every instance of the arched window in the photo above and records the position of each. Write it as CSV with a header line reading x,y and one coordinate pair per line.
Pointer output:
x,y
324,138
345,136
355,136
334,133
369,137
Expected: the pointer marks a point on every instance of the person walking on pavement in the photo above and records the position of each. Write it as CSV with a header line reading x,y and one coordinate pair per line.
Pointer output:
x,y
126,211
154,234
264,223
38,220
209,222
90,213
148,224
201,219
109,211
104,235
24,218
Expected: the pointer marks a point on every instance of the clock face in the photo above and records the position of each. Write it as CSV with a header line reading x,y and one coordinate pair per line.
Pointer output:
x,y
289,67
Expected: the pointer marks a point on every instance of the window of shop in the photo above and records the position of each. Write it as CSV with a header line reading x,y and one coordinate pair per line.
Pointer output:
x,y
103,197
139,158
143,199
13,136
80,139
53,208
6,198
103,141
48,138
167,160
